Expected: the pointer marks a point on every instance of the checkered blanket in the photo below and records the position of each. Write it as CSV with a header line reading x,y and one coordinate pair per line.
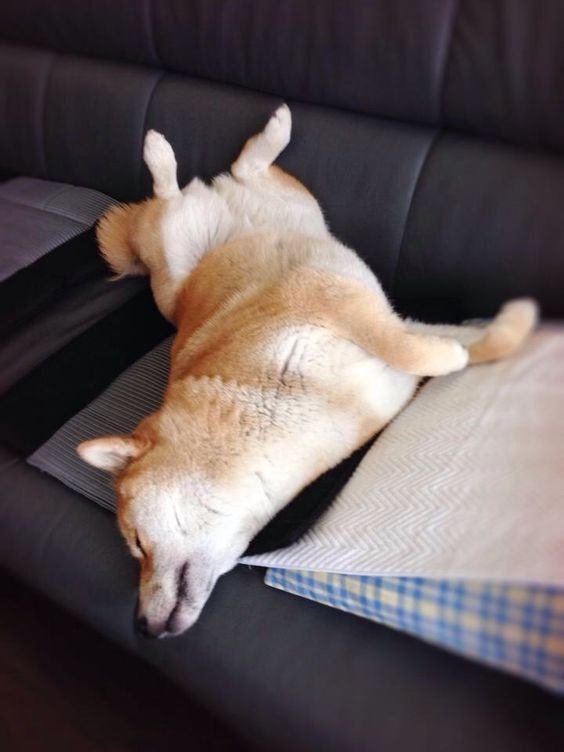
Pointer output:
x,y
519,629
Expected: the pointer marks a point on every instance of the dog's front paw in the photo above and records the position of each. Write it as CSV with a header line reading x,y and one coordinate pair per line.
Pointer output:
x,y
159,158
157,152
278,130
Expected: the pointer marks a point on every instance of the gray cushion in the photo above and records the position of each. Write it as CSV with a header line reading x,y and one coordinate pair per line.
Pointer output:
x,y
38,215
135,394
53,282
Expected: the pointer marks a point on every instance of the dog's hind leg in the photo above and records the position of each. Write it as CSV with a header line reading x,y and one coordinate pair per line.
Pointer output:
x,y
159,158
277,197
387,338
353,312
263,149
499,338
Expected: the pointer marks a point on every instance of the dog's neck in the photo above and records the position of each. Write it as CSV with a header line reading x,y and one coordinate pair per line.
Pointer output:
x,y
236,434
243,413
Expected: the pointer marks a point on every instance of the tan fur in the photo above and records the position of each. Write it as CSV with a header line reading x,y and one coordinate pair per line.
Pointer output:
x,y
290,181
506,333
126,228
234,336
288,357
113,233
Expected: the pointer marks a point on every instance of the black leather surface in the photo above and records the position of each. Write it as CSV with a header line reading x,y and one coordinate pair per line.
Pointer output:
x,y
94,124
31,291
66,382
115,29
489,68
504,77
65,320
24,74
323,51
485,225
437,216
288,674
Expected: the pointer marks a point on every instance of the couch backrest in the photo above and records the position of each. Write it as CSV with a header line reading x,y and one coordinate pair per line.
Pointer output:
x,y
432,131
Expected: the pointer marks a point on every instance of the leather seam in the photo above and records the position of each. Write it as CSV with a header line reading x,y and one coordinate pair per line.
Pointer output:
x,y
448,53
43,108
144,124
416,185
150,6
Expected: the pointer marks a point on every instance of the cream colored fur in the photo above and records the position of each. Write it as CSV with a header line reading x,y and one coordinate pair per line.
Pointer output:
x,y
288,357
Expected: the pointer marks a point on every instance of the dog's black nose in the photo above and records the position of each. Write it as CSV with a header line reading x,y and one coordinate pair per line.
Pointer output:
x,y
142,627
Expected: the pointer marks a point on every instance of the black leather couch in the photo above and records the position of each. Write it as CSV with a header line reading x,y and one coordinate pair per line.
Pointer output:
x,y
432,131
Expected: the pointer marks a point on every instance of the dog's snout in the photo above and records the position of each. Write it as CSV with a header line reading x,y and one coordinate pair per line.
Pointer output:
x,y
170,605
143,628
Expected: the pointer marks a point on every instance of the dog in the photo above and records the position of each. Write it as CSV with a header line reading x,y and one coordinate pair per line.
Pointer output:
x,y
288,357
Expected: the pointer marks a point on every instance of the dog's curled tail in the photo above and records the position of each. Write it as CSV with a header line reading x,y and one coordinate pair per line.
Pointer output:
x,y
507,332
113,232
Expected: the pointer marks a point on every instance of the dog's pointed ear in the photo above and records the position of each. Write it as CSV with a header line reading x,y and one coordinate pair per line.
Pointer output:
x,y
111,453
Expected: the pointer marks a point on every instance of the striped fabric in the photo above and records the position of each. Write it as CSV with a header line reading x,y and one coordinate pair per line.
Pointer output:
x,y
36,216
519,629
118,410
83,205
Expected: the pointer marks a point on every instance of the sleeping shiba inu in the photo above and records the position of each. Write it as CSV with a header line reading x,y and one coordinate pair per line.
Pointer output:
x,y
288,357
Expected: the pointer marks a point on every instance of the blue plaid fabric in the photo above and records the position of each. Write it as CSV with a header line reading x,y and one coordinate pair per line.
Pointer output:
x,y
516,628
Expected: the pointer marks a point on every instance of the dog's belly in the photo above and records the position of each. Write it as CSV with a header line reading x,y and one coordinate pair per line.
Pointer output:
x,y
326,421
338,398
377,391
345,378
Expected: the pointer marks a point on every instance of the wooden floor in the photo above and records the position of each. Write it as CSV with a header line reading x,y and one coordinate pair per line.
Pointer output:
x,y
64,688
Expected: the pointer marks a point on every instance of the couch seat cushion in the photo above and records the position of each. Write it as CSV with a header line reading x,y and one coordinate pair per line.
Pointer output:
x,y
53,281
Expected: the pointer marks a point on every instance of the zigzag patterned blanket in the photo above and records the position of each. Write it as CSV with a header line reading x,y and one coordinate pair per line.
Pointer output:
x,y
465,483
